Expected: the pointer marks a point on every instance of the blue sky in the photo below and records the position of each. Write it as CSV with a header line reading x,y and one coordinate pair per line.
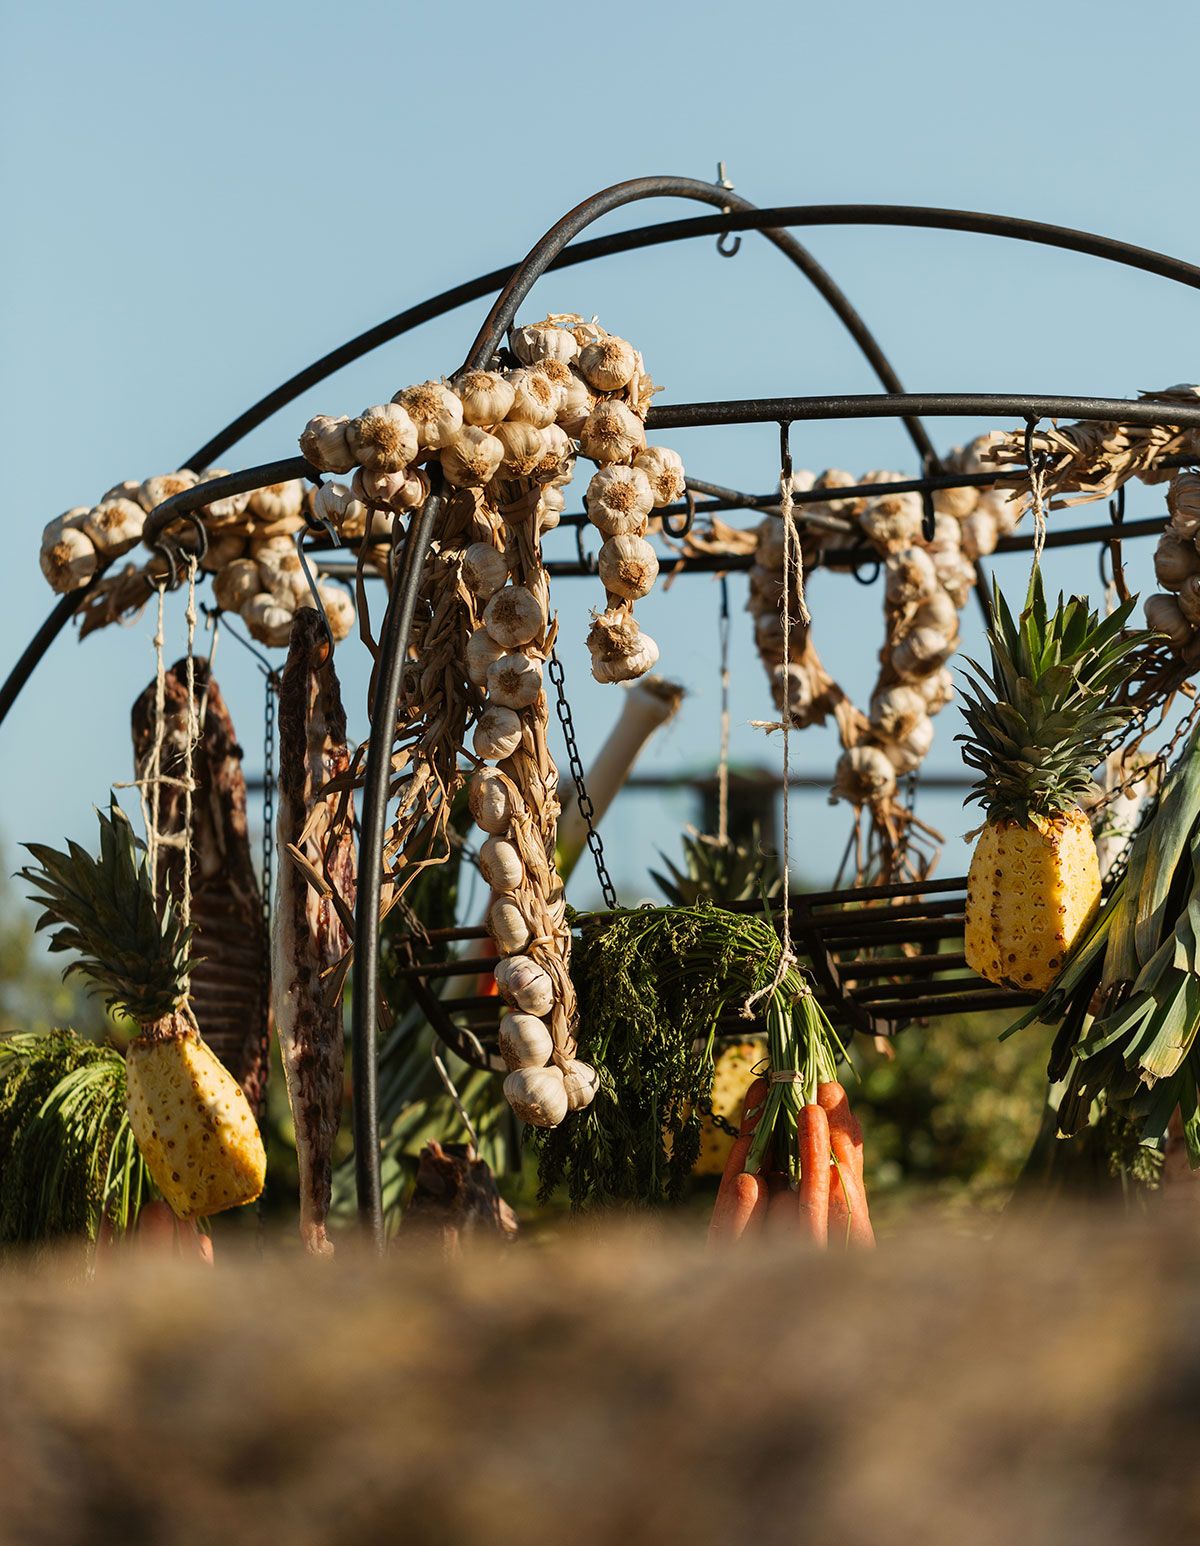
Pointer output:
x,y
200,200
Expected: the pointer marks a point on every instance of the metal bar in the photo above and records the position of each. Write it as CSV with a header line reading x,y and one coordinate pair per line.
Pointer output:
x,y
900,965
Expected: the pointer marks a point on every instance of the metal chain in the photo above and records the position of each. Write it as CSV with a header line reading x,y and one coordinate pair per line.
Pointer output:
x,y
705,1109
268,843
586,809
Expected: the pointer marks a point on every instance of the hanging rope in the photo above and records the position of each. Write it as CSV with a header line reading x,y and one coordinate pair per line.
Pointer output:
x,y
793,575
723,757
1037,489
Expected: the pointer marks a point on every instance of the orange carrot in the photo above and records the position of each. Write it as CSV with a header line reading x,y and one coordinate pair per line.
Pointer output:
x,y
812,1136
839,1209
751,1111
739,1207
781,1209
846,1141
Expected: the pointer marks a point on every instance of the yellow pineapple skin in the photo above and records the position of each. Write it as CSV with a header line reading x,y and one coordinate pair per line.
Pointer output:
x,y
192,1123
1031,891
733,1074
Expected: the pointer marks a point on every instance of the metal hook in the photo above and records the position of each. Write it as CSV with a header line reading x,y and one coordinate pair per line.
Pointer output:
x,y
728,244
588,560
298,539
1116,506
171,550
1031,456
860,572
688,519
928,513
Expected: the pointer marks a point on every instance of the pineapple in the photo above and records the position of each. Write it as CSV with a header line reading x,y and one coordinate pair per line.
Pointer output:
x,y
1038,725
733,1074
190,1117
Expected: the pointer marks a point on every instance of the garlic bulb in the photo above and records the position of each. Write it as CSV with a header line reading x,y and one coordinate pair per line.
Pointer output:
x,y
227,509
919,651
1183,502
282,575
474,458
792,692
1189,599
769,551
864,775
524,984
937,689
267,621
619,500
550,507
333,502
497,734
1005,508
514,617
236,584
115,526
383,438
958,502
581,1082
1164,615
507,926
543,341
484,570
576,404
222,551
893,521
155,490
1174,561
628,567
976,456
524,446
536,398
325,444
500,865
490,798
557,455
611,433
897,711
280,502
537,1095
937,611
514,681
339,611
486,397
908,754
68,559
481,654
664,472
608,364
435,411
413,490
129,489
980,534
524,1042
957,574
911,577
379,488
619,649
947,536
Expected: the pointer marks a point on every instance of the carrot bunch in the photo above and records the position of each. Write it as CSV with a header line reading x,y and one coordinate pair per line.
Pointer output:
x,y
830,1200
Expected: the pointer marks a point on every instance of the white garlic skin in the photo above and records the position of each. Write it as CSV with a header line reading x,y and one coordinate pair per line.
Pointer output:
x,y
611,433
1189,599
484,570
267,620
474,458
628,567
507,926
514,617
864,774
500,865
628,667
490,800
664,472
608,364
68,560
279,502
115,526
939,612
514,681
525,985
581,1082
282,575
619,500
897,711
524,447
543,341
324,443
497,734
1174,561
911,577
155,490
333,502
1164,615
339,611
235,584
524,1042
481,654
537,1095
536,398
957,502
980,534
577,403
907,755
222,551
436,412
383,438
620,651
922,650
937,689
486,397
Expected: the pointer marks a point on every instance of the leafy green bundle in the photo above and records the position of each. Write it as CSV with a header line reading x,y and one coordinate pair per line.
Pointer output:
x,y
652,984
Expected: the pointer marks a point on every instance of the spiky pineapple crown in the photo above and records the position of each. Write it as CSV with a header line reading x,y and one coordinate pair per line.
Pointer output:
x,y
1046,714
135,948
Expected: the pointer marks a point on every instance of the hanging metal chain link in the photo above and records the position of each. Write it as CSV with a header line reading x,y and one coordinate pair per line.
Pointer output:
x,y
586,809
268,842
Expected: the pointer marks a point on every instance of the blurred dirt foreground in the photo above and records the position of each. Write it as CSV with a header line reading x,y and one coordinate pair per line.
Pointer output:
x,y
615,1387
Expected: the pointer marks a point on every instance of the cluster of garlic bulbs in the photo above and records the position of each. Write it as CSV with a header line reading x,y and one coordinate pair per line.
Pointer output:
x,y
1175,611
251,553
514,432
927,584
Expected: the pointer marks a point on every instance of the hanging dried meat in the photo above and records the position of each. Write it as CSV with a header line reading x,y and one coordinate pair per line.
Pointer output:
x,y
313,911
229,982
